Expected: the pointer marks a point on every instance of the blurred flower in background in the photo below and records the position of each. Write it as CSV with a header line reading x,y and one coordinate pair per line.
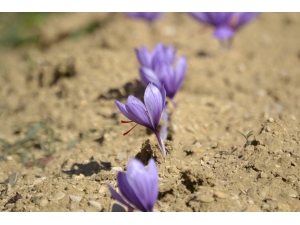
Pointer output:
x,y
148,16
157,67
225,23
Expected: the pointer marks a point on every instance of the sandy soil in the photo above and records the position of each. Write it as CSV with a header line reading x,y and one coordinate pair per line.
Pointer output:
x,y
61,136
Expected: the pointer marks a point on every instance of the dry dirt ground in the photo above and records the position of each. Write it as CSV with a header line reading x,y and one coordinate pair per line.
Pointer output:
x,y
60,130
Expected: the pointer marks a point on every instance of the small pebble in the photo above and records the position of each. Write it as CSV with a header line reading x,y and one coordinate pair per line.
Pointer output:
x,y
75,198
251,191
211,162
93,196
121,156
44,202
263,175
217,155
38,181
214,145
206,198
293,193
102,190
216,165
205,159
116,169
220,194
12,179
79,177
271,120
95,204
58,195
249,148
265,206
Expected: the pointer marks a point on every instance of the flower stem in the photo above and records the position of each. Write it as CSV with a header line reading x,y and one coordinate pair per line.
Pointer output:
x,y
161,144
164,128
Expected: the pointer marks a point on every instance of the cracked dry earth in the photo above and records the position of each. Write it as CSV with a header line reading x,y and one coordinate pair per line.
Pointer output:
x,y
61,136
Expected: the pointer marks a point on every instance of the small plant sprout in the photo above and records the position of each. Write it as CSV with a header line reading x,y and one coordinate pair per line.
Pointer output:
x,y
148,114
138,186
147,16
225,23
246,136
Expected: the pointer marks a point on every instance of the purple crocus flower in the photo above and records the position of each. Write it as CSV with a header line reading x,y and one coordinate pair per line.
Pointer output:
x,y
225,23
160,54
166,75
148,114
138,187
148,16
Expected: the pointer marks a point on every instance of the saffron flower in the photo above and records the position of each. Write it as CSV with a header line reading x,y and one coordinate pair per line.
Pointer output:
x,y
148,16
138,187
166,75
160,54
157,67
148,114
225,23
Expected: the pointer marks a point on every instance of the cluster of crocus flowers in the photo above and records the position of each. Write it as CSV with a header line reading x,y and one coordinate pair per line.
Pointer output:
x,y
157,67
148,114
147,16
225,23
138,186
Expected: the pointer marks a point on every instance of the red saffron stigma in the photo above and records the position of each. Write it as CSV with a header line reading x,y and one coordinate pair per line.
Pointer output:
x,y
130,129
124,121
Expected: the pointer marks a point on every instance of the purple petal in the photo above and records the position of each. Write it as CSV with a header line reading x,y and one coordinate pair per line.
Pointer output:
x,y
163,55
154,103
223,32
201,16
167,73
163,95
139,115
118,197
144,57
170,54
134,100
143,182
123,109
152,174
239,19
128,192
149,16
180,72
212,18
149,76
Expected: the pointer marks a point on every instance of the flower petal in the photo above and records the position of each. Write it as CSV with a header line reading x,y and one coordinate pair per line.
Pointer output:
x,y
180,72
149,76
167,74
143,182
163,54
129,192
152,175
170,54
212,18
239,19
138,114
154,103
132,99
223,33
118,197
144,56
123,109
